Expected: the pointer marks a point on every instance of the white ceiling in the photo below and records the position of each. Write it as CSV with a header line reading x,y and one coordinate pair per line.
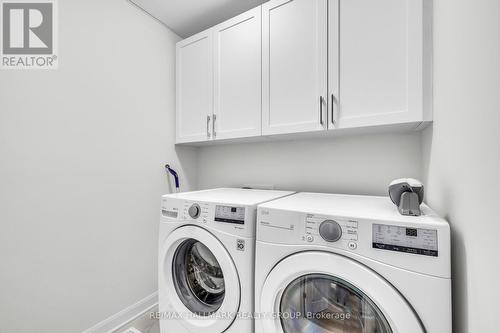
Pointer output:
x,y
187,17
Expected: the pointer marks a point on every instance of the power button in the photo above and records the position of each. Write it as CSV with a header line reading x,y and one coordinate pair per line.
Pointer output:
x,y
309,238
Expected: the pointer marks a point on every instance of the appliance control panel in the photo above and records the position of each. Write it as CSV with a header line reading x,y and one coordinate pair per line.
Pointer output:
x,y
331,231
231,218
406,242
404,239
229,214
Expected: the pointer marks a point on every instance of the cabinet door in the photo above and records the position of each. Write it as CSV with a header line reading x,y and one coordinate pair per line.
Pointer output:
x,y
238,83
381,62
194,82
294,66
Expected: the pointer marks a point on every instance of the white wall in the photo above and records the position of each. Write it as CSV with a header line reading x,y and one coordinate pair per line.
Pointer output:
x,y
82,150
351,164
462,153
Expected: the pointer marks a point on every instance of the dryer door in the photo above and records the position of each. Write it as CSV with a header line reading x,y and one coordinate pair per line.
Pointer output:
x,y
202,283
328,293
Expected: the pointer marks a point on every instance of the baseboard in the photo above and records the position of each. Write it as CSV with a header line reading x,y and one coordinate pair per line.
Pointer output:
x,y
125,316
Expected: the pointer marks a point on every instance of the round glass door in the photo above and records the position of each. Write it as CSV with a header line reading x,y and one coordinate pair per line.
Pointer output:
x,y
198,278
322,303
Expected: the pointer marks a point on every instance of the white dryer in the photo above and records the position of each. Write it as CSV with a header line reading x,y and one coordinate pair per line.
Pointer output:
x,y
206,260
329,263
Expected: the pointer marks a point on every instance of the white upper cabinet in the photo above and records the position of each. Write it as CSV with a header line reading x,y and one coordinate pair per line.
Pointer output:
x,y
238,71
379,61
294,55
294,66
194,94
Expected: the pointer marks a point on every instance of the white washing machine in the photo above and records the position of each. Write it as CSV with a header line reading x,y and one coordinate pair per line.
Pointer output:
x,y
330,263
206,260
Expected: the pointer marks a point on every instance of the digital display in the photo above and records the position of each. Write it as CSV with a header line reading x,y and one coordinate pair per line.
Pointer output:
x,y
229,214
409,240
411,232
168,213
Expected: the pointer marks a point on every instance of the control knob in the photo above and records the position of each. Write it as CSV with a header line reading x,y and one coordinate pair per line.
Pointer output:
x,y
194,211
330,230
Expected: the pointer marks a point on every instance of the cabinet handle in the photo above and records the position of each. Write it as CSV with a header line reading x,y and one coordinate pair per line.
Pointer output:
x,y
332,109
213,125
321,110
208,126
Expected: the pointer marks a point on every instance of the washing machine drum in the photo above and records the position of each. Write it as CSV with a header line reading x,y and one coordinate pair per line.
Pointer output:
x,y
198,278
323,303
199,283
327,293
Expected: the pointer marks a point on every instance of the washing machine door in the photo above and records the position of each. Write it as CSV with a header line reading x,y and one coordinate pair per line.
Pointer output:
x,y
327,293
202,283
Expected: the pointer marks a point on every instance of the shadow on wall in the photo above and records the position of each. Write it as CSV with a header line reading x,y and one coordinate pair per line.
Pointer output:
x,y
458,251
459,281
354,164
